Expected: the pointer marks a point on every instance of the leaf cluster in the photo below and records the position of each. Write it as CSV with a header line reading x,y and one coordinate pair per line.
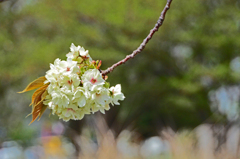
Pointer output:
x,y
38,96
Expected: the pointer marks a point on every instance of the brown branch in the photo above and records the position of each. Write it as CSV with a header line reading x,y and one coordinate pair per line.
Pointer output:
x,y
145,41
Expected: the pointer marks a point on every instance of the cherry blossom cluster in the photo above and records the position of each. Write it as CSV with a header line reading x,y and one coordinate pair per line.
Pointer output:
x,y
77,87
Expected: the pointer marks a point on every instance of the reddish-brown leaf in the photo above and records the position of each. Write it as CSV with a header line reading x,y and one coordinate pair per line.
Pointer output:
x,y
105,77
38,97
36,111
38,106
40,90
44,107
99,64
35,84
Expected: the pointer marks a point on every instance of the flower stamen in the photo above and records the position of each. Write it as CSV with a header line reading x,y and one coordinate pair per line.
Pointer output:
x,y
93,80
70,82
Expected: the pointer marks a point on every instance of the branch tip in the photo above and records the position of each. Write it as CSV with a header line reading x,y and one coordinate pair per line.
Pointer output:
x,y
145,41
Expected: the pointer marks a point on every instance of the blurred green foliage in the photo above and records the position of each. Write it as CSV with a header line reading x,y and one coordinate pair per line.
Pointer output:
x,y
166,85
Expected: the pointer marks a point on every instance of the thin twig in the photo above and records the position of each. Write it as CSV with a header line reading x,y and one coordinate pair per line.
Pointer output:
x,y
143,44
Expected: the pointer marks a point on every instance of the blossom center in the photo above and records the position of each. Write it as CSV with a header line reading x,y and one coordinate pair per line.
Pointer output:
x,y
70,109
97,94
70,82
68,69
93,81
85,57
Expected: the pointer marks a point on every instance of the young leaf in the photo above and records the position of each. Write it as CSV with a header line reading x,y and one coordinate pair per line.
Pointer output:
x,y
39,98
38,106
105,77
36,111
35,84
99,64
43,88
44,107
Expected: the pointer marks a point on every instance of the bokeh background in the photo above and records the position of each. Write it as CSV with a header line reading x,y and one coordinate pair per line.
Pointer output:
x,y
182,92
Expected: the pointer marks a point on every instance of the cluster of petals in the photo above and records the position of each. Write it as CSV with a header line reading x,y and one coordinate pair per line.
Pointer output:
x,y
76,87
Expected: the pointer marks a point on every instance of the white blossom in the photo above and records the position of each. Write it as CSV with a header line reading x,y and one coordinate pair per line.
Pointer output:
x,y
68,67
60,99
101,96
78,51
61,69
74,92
79,97
92,78
71,112
74,52
53,74
117,94
102,109
71,82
